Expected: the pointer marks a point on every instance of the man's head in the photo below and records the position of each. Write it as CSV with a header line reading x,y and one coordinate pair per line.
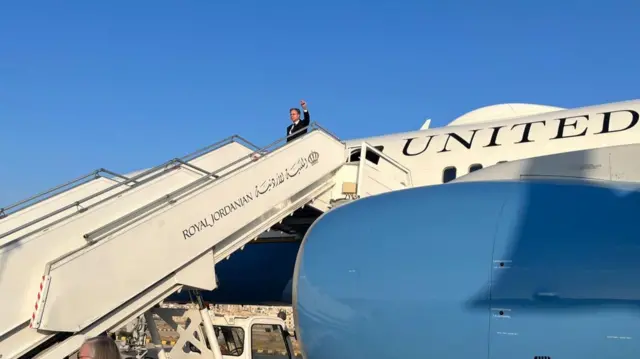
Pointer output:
x,y
100,347
294,114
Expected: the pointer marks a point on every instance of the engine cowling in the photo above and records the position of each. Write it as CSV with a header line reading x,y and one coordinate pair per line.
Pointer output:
x,y
513,269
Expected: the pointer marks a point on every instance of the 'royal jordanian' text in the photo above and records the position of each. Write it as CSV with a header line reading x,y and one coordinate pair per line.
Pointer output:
x,y
262,189
216,216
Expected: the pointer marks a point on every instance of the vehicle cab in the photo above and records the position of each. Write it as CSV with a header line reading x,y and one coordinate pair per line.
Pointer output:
x,y
254,337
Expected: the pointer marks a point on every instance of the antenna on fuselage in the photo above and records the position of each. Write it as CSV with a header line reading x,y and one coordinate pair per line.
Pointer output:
x,y
426,124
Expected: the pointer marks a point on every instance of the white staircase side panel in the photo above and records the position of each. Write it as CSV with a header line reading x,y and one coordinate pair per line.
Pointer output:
x,y
179,230
199,273
323,202
375,181
369,179
347,173
49,205
23,259
192,274
20,342
136,172
199,270
274,215
387,173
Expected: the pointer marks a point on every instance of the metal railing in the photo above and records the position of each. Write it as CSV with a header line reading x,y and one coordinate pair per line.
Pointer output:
x,y
42,196
203,181
164,168
364,147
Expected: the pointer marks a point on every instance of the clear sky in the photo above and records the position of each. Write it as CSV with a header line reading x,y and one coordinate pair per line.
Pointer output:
x,y
129,84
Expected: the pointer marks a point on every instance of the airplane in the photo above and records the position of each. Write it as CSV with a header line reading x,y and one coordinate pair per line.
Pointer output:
x,y
499,134
474,269
522,133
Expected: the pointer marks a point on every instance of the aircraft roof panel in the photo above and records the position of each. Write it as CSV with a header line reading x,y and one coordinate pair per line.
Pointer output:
x,y
502,112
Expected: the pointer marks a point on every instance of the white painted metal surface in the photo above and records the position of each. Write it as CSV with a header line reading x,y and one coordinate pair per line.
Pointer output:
x,y
97,269
616,164
198,273
428,153
387,175
178,231
25,252
35,212
125,248
92,270
368,178
44,199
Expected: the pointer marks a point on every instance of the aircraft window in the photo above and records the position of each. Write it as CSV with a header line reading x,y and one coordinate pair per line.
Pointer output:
x,y
268,338
371,157
230,340
474,167
449,174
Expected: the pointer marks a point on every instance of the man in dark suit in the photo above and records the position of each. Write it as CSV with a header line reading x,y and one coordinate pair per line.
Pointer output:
x,y
298,124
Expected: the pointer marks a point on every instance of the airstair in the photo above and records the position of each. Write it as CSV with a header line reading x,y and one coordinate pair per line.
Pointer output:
x,y
93,254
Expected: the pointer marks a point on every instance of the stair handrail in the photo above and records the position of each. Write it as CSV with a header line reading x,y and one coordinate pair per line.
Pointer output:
x,y
163,166
323,129
207,149
43,196
364,147
210,177
391,160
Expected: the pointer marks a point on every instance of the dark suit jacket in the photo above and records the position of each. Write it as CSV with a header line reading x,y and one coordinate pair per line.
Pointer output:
x,y
304,122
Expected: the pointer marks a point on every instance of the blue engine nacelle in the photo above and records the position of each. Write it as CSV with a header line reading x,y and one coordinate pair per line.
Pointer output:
x,y
474,270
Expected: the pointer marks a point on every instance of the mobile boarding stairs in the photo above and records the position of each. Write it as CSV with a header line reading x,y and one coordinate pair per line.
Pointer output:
x,y
93,254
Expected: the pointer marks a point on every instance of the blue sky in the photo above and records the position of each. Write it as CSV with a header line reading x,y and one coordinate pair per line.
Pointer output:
x,y
129,84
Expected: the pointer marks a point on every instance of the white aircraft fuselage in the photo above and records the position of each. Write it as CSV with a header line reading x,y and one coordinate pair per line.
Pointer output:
x,y
439,155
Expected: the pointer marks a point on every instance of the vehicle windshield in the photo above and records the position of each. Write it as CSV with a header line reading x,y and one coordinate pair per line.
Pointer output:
x,y
268,342
230,340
